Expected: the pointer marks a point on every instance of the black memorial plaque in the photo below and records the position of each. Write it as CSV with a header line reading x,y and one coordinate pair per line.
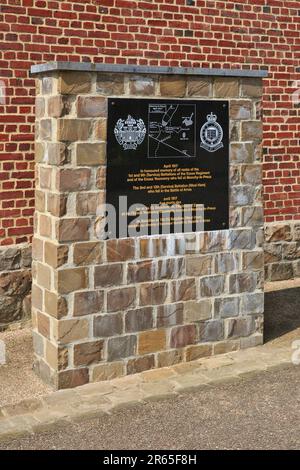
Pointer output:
x,y
163,153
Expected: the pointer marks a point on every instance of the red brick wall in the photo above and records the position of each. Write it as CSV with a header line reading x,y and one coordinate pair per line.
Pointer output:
x,y
232,34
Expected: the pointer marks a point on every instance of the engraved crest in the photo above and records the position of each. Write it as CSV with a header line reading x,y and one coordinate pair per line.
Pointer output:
x,y
130,132
211,134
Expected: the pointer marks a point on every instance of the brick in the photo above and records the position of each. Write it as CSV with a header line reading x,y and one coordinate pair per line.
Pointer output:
x,y
195,311
56,255
121,347
140,364
70,180
151,341
108,275
73,130
91,154
88,253
91,106
226,87
173,85
69,230
72,279
120,250
72,378
153,293
139,319
169,315
110,84
120,299
68,331
108,325
111,371
89,353
182,336
73,83
88,302
196,352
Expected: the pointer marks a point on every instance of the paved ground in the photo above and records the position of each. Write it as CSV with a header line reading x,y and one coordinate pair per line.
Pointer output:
x,y
258,412
17,380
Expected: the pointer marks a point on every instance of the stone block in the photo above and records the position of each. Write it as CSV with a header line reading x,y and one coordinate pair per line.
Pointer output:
x,y
251,87
169,315
253,260
55,305
242,152
72,279
212,286
88,302
121,347
242,282
91,106
281,271
195,311
278,232
253,216
73,130
199,265
142,85
88,154
89,353
139,319
73,83
57,154
251,174
57,356
196,352
121,299
108,275
226,262
111,371
70,180
173,85
43,325
87,203
56,255
10,258
151,341
240,109
227,307
87,253
72,378
241,239
140,364
199,86
153,293
71,230
214,241
238,327
57,204
108,325
182,336
110,84
68,331
212,330
169,358
142,271
226,87
120,250
252,130
242,195
252,303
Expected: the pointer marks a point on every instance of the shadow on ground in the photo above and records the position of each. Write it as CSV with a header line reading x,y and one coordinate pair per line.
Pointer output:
x,y
282,312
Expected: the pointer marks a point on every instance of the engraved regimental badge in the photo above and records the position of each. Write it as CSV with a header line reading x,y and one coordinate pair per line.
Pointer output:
x,y
130,133
211,134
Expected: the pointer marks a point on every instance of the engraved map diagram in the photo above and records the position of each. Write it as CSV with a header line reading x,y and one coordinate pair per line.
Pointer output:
x,y
171,130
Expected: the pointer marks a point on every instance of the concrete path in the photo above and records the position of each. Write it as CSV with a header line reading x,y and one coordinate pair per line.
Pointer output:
x,y
64,408
258,412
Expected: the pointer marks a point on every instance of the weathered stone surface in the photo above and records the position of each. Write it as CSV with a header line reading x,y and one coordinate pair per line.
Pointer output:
x,y
251,87
91,106
108,325
195,311
10,258
237,327
69,180
196,352
212,286
110,84
170,268
57,204
73,83
45,226
252,130
87,203
120,299
88,353
227,307
57,356
88,302
252,303
72,378
120,250
55,305
111,371
212,330
199,86
242,282
91,154
281,271
272,252
182,336
140,364
226,87
44,129
240,109
139,319
151,341
16,283
242,195
169,315
251,174
199,265
183,290
108,275
121,347
56,255
213,241
291,251
37,297
241,239
242,152
253,260
68,230
173,85
55,106
153,294
57,154
252,216
72,130
69,280
169,358
100,129
142,271
68,331
87,253
278,232
142,85
226,262
43,325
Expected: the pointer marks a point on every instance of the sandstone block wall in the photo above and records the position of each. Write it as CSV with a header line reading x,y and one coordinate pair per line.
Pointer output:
x,y
103,309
